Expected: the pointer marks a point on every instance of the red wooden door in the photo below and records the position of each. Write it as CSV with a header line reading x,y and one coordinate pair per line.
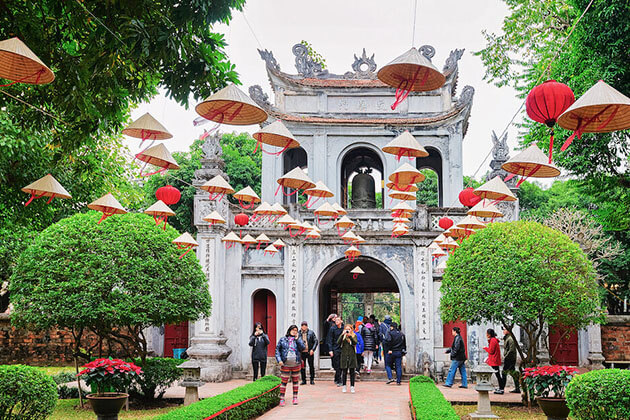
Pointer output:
x,y
447,334
175,337
563,345
265,313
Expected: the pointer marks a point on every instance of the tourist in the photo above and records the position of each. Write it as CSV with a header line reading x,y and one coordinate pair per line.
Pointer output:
x,y
348,361
369,342
308,354
334,349
509,360
259,342
288,352
358,326
458,360
359,351
383,336
330,322
494,357
377,351
397,348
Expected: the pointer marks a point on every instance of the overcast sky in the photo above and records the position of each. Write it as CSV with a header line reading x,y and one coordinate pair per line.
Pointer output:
x,y
338,30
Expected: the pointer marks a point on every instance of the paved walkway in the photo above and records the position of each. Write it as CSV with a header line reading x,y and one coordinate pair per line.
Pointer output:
x,y
469,395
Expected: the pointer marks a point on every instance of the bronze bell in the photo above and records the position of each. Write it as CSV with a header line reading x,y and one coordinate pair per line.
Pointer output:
x,y
363,191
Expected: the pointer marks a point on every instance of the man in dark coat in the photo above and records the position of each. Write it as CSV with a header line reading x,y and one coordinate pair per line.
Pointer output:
x,y
458,360
397,348
308,354
509,360
383,336
334,349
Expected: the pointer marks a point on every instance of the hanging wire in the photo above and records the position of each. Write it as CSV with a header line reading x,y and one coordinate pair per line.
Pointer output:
x,y
252,30
413,31
35,107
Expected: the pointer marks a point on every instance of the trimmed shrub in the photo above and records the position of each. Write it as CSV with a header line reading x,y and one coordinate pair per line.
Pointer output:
x,y
600,395
66,392
260,396
427,402
158,373
64,377
26,393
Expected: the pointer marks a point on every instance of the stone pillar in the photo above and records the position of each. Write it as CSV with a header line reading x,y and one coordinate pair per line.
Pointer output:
x,y
368,304
595,356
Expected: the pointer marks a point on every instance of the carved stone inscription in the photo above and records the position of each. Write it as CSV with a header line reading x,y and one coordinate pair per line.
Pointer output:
x,y
292,286
423,285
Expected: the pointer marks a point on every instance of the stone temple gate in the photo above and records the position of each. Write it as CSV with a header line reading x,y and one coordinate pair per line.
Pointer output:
x,y
341,122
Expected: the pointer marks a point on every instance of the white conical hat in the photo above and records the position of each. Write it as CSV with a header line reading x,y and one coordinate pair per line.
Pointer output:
x,y
357,270
214,218
461,231
405,145
263,209
277,134
531,163
403,206
313,234
440,238
47,186
349,236
325,210
403,220
340,210
603,105
353,250
159,209
439,252
262,238
344,222
495,189
278,209
471,222
414,67
296,179
231,237
319,190
434,245
410,188
442,265
307,225
19,64
358,240
147,128
247,194
185,239
278,243
231,106
158,155
217,185
482,209
271,249
406,174
248,239
107,204
400,195
285,220
449,243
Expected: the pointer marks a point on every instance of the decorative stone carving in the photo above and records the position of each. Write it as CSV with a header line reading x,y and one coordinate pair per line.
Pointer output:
x,y
451,71
500,155
270,60
466,97
357,66
260,97
305,64
212,163
428,51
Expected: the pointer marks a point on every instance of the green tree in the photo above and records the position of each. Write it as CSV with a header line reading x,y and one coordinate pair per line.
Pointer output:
x,y
112,279
428,189
242,165
520,273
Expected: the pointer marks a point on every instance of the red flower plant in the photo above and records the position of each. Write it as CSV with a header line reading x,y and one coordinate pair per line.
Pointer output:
x,y
107,374
542,380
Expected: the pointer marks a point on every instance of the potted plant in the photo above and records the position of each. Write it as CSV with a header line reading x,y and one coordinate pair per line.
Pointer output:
x,y
106,375
542,381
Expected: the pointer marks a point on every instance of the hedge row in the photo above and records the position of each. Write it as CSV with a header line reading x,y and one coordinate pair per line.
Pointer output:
x,y
260,396
427,402
600,395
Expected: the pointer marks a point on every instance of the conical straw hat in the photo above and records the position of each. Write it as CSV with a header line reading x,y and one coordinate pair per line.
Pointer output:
x,y
159,209
108,204
248,239
217,185
485,210
461,231
214,217
285,220
296,224
307,226
406,174
405,145
531,163
231,106
433,246
271,249
440,238
412,65
349,236
340,210
147,127
158,155
185,239
495,189
278,243
471,222
441,266
344,222
276,134
410,188
358,240
317,229
247,194
404,220
278,209
352,251
319,190
264,209
450,243
400,195
357,270
47,186
262,238
400,229
609,108
325,210
439,252
313,234
403,207
231,237
19,64
296,179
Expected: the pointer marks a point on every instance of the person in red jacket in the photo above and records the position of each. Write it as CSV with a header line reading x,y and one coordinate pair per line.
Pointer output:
x,y
494,357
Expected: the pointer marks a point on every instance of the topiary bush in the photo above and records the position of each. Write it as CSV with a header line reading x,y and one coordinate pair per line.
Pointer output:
x,y
427,402
64,377
158,373
600,395
26,393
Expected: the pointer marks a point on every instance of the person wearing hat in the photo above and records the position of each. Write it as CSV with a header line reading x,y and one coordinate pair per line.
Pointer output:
x,y
308,354
383,336
458,360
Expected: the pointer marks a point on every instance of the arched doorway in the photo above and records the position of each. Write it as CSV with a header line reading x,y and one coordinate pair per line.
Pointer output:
x,y
433,184
373,293
265,312
356,161
291,159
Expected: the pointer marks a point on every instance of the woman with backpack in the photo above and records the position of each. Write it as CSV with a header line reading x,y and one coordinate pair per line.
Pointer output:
x,y
369,344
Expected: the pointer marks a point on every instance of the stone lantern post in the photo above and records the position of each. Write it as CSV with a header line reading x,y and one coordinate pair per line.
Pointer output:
x,y
483,387
191,381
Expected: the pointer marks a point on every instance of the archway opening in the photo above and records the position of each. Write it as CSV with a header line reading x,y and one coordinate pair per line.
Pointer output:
x,y
293,158
362,169
430,191
264,302
373,293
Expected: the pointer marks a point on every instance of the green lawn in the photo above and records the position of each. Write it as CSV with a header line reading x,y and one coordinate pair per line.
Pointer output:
x,y
70,410
511,413
53,370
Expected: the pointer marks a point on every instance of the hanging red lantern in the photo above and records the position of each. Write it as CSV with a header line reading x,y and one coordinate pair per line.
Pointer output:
x,y
546,102
445,223
468,198
241,219
168,194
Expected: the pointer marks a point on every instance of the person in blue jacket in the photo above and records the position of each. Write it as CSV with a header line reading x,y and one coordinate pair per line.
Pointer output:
x,y
288,352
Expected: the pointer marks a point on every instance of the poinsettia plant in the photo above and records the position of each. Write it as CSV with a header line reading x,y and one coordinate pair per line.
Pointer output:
x,y
107,374
541,381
